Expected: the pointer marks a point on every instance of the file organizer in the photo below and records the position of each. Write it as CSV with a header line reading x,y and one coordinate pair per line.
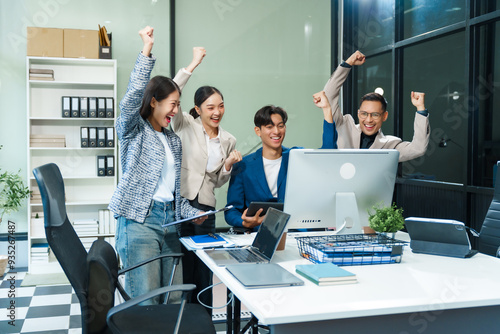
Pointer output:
x,y
351,249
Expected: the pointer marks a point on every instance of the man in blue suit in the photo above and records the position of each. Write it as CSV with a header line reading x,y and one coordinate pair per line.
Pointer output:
x,y
261,176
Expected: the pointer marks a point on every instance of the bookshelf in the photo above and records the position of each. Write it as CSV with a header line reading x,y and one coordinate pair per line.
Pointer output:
x,y
54,138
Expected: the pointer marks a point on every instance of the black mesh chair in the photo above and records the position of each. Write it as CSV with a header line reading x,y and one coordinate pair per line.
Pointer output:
x,y
489,236
94,276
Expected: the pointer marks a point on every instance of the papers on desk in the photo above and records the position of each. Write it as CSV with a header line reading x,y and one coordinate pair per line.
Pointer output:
x,y
326,274
206,241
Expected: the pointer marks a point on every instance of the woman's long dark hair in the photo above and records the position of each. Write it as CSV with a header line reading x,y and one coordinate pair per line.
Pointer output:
x,y
158,87
201,95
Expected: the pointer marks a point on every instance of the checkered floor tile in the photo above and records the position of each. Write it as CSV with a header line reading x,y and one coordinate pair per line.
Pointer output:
x,y
55,309
42,309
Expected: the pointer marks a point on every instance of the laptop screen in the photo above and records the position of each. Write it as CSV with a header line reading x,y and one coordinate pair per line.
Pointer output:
x,y
270,232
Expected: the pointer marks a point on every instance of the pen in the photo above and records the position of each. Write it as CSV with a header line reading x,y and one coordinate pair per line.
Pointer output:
x,y
213,247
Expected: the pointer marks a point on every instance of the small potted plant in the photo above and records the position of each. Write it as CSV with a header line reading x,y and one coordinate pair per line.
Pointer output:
x,y
386,220
12,192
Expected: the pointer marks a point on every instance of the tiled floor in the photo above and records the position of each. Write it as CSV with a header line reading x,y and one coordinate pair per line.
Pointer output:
x,y
42,309
55,309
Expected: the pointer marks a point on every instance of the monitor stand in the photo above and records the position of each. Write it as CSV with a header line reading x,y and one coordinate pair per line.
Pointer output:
x,y
346,212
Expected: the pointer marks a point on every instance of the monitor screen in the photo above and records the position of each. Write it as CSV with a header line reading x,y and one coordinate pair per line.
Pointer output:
x,y
329,188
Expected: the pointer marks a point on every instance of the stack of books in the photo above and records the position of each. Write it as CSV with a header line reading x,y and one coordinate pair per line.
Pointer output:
x,y
107,222
41,74
35,196
48,141
40,253
326,274
37,225
87,230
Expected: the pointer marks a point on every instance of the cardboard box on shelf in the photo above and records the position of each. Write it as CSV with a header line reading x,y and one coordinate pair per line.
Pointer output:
x,y
44,42
81,43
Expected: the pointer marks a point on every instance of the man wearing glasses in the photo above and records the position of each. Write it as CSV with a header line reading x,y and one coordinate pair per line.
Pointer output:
x,y
371,114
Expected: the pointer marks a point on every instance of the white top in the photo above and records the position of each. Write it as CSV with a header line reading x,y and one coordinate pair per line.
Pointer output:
x,y
165,188
272,169
214,151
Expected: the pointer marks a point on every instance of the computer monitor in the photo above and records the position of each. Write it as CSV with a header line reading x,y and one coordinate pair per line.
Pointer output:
x,y
329,188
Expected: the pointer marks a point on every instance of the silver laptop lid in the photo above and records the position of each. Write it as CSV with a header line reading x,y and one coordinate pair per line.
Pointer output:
x,y
270,232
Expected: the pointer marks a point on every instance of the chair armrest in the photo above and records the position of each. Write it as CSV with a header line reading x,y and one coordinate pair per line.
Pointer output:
x,y
176,256
134,301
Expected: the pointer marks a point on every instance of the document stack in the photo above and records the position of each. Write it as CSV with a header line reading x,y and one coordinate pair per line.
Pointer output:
x,y
326,274
87,230
47,141
41,74
40,253
35,196
37,225
107,225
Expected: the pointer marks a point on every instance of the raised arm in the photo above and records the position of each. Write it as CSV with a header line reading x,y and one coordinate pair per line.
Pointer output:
x,y
421,131
337,79
181,78
139,77
330,135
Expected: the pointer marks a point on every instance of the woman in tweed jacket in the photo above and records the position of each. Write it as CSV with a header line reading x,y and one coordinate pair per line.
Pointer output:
x,y
148,193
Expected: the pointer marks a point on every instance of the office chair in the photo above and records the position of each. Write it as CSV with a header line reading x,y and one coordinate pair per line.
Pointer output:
x,y
489,236
94,276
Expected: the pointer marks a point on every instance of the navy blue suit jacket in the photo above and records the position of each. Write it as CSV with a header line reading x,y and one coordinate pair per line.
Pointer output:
x,y
249,184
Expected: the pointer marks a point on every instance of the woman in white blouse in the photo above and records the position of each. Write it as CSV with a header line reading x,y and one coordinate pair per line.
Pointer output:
x,y
207,157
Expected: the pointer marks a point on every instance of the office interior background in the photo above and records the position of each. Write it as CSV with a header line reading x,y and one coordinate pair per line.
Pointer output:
x,y
280,52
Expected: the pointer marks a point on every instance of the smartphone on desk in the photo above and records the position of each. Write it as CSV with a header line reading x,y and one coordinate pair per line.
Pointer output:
x,y
256,206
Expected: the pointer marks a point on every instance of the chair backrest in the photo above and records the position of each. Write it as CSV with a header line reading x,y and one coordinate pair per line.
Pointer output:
x,y
61,236
489,236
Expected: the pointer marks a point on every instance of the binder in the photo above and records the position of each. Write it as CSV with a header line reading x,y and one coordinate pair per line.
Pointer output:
x,y
66,106
101,107
92,106
110,137
101,165
101,137
109,107
84,136
84,107
75,106
92,137
110,165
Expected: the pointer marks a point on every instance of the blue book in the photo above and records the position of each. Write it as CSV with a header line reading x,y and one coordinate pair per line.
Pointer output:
x,y
326,273
212,239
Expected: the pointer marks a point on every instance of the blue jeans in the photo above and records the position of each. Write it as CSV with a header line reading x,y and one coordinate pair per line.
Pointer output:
x,y
136,242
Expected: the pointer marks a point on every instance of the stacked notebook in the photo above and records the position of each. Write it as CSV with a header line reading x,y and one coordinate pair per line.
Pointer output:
x,y
326,274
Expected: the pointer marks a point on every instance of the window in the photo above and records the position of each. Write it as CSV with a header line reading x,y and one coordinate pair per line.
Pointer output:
x,y
488,98
375,26
437,68
421,16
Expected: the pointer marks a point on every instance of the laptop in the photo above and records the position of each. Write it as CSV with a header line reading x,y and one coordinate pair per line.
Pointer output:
x,y
263,275
263,247
444,237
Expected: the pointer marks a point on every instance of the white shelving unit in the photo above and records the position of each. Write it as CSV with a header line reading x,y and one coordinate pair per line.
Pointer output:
x,y
86,193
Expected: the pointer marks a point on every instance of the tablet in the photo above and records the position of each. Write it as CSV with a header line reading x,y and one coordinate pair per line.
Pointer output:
x,y
207,213
255,206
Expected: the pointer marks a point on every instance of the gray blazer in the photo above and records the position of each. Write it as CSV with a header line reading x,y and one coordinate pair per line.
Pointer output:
x,y
350,132
142,153
195,181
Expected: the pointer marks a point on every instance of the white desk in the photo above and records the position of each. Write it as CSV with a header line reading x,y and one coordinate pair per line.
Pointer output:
x,y
422,294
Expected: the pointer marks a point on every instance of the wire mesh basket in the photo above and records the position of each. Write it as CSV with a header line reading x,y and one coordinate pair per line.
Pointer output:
x,y
351,249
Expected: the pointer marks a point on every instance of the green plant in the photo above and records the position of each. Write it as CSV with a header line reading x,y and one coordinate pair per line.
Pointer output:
x,y
386,219
12,192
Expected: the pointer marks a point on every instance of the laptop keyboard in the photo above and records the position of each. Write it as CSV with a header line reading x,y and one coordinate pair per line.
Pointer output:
x,y
244,255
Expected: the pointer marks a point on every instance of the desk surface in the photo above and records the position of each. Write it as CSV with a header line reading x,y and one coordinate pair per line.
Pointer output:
x,y
419,283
